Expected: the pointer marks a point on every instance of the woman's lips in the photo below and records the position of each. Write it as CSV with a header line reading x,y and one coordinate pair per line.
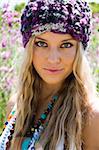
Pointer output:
x,y
53,71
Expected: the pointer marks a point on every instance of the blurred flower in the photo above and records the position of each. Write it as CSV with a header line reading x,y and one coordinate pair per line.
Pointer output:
x,y
16,20
15,14
4,42
9,83
97,52
6,54
8,17
4,69
6,5
97,20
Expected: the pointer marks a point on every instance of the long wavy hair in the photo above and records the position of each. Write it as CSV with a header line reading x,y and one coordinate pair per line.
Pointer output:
x,y
69,115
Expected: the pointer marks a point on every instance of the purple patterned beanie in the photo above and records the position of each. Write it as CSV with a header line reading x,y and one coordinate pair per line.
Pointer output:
x,y
59,16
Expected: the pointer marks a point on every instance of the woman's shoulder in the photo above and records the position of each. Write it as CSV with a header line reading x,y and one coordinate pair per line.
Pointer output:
x,y
94,119
11,103
91,131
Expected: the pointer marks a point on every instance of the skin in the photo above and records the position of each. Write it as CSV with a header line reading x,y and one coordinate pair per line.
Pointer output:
x,y
53,53
91,131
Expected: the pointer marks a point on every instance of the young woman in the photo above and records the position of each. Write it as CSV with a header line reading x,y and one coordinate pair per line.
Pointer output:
x,y
56,106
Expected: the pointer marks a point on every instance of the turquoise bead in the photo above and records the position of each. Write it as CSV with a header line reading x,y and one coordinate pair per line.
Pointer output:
x,y
43,116
25,144
55,97
13,112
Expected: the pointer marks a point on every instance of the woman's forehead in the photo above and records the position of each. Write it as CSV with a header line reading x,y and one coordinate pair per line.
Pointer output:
x,y
51,35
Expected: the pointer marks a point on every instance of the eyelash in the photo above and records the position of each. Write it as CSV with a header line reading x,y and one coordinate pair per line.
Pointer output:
x,y
37,43
69,45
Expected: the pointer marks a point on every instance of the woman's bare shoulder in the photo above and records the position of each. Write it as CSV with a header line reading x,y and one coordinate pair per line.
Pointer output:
x,y
11,103
91,131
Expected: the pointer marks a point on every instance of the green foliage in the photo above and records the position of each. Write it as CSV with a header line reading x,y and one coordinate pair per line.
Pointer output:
x,y
97,87
3,100
19,7
95,7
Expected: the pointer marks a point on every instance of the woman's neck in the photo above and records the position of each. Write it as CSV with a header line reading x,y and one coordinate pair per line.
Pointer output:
x,y
49,90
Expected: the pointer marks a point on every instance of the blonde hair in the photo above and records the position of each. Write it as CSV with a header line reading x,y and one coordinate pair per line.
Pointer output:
x,y
70,112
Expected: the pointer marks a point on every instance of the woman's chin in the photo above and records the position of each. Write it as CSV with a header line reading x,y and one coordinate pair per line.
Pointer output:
x,y
53,81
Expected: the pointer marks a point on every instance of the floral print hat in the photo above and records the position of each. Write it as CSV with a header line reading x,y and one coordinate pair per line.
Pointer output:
x,y
59,16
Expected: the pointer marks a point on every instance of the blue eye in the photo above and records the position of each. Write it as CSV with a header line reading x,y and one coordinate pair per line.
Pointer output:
x,y
67,45
41,44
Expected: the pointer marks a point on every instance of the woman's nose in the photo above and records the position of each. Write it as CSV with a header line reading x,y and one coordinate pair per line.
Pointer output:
x,y
54,56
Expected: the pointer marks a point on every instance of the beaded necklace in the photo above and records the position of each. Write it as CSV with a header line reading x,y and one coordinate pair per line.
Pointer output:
x,y
8,130
36,130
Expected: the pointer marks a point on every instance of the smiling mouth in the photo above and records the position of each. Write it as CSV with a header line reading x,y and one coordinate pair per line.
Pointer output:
x,y
53,70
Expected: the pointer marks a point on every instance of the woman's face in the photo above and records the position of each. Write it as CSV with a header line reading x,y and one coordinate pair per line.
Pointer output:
x,y
53,56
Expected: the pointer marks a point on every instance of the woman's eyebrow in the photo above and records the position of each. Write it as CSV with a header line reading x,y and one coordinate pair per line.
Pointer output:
x,y
41,39
68,39
61,41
